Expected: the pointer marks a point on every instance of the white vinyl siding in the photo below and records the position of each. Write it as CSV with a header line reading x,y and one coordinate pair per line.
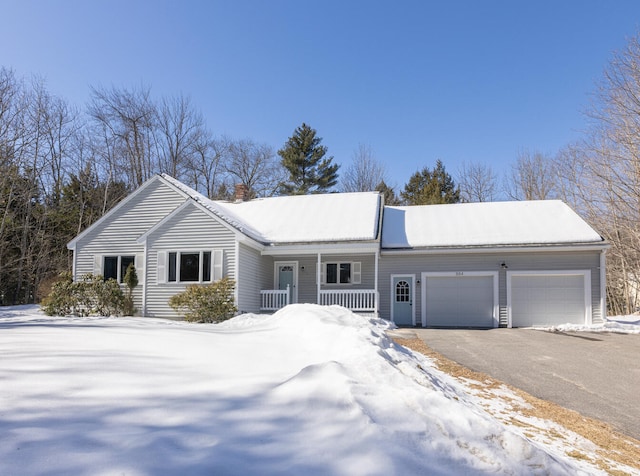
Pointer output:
x,y
117,235
190,230
255,274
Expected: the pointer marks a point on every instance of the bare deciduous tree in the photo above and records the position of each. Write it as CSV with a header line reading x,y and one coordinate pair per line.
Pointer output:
x,y
532,177
365,172
601,175
128,121
181,131
255,166
478,182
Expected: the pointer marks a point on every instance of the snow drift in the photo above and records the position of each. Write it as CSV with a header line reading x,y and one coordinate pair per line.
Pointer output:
x,y
308,390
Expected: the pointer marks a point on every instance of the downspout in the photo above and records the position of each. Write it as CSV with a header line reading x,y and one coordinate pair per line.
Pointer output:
x,y
603,285
318,274
144,281
236,291
73,262
377,254
375,284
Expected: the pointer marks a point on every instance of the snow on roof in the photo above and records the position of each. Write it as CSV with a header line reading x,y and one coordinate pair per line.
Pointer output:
x,y
484,224
330,217
311,218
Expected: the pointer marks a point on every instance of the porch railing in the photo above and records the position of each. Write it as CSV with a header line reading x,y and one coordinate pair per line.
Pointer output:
x,y
274,299
353,299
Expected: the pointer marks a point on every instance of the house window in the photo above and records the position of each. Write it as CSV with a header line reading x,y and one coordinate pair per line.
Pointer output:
x,y
115,267
342,273
192,266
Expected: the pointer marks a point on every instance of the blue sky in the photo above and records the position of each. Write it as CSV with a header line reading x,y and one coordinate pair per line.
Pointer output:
x,y
474,81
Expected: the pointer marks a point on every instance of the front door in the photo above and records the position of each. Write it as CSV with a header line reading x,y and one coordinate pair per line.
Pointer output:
x,y
402,300
286,275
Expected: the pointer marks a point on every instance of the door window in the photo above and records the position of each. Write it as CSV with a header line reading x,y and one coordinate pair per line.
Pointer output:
x,y
402,291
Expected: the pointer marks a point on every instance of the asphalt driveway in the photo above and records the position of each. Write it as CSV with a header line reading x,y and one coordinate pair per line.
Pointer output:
x,y
597,375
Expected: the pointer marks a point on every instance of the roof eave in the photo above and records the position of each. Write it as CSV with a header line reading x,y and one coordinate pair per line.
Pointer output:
x,y
513,248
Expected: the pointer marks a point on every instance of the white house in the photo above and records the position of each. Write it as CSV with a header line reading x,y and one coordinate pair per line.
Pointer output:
x,y
462,265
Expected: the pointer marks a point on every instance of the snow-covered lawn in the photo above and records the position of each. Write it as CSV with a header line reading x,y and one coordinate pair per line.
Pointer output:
x,y
309,390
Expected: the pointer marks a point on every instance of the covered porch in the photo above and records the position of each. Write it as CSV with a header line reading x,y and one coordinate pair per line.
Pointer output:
x,y
347,278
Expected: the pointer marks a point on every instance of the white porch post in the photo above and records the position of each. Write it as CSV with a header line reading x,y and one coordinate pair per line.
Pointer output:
x,y
318,274
375,284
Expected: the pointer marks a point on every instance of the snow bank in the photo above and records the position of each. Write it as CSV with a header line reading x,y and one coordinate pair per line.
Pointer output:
x,y
616,324
308,390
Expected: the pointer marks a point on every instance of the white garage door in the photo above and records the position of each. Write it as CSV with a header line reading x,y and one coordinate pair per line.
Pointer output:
x,y
548,299
459,301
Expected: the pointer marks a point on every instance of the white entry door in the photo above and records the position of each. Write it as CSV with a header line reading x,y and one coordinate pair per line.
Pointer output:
x,y
287,275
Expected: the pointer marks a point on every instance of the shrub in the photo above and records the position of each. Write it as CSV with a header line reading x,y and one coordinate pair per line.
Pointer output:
x,y
131,281
209,303
90,295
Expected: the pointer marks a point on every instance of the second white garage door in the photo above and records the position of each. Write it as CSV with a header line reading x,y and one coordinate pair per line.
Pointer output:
x,y
551,298
459,299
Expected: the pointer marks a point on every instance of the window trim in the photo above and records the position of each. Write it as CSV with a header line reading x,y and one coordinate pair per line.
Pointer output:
x,y
216,264
201,260
355,273
119,271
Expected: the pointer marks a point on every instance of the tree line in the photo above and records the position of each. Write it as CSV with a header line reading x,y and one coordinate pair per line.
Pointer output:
x,y
62,168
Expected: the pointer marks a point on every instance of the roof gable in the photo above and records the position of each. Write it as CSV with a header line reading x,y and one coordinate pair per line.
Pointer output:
x,y
543,222
113,212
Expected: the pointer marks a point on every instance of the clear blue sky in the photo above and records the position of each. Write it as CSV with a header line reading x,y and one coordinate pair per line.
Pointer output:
x,y
417,81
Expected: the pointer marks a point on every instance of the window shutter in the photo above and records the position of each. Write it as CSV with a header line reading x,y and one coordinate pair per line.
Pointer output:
x,y
140,266
161,272
323,273
218,264
97,265
356,272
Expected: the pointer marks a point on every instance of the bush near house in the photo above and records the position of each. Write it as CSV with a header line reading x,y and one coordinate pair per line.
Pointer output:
x,y
91,295
209,303
131,281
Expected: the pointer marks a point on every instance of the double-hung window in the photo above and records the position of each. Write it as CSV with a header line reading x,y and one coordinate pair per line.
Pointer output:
x,y
342,273
115,267
189,266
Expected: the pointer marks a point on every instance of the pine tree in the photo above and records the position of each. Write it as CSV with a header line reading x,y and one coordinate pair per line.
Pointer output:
x,y
309,171
430,187
390,197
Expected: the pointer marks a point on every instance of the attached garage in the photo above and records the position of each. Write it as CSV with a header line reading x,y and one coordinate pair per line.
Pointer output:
x,y
539,298
460,299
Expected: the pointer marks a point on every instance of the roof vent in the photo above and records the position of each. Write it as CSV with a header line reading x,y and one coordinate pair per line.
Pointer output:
x,y
242,193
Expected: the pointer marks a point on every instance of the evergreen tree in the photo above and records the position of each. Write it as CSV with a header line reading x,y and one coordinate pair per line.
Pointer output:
x,y
390,197
430,187
309,171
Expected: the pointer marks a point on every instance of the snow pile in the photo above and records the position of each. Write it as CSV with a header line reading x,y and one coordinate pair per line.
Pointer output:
x,y
309,390
617,324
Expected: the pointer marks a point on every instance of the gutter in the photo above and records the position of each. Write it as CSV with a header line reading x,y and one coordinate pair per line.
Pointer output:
x,y
497,249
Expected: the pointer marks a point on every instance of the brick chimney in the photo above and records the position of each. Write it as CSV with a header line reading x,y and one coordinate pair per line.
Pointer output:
x,y
242,192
